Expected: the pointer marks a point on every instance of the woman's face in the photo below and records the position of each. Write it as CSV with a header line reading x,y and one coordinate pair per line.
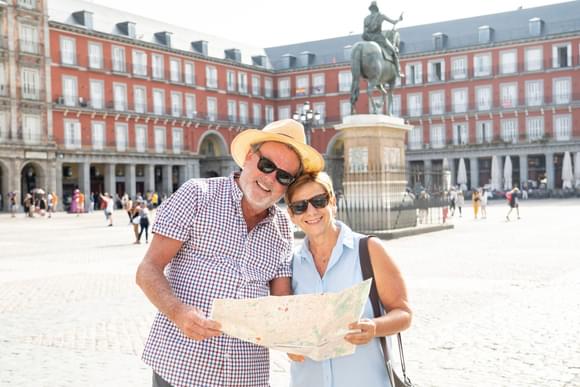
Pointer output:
x,y
313,221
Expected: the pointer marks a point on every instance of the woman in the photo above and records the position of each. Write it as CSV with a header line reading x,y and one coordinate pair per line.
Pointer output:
x,y
144,214
328,261
475,201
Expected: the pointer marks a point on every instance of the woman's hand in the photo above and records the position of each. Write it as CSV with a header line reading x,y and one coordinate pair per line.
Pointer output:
x,y
294,357
367,332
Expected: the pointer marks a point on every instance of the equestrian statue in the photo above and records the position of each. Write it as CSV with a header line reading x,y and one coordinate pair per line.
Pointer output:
x,y
376,59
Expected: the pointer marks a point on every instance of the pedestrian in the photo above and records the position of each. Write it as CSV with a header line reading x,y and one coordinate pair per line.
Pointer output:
x,y
222,237
452,200
50,202
513,202
109,207
128,206
460,201
13,205
475,202
483,201
144,213
135,221
328,261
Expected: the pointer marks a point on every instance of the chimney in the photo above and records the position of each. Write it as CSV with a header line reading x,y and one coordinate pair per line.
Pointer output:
x,y
200,47
84,18
127,28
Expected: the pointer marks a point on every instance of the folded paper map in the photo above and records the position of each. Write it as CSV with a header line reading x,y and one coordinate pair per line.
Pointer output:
x,y
313,325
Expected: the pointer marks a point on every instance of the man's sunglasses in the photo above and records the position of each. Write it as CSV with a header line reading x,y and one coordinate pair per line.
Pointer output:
x,y
266,165
318,201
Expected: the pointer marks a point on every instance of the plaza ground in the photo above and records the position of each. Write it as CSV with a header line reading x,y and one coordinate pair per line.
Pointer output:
x,y
495,303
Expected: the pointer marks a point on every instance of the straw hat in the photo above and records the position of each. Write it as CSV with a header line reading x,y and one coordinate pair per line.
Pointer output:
x,y
286,131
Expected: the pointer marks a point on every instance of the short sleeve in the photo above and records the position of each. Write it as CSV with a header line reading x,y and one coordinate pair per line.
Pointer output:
x,y
287,255
175,215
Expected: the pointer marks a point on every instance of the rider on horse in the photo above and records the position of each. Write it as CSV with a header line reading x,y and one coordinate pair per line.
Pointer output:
x,y
373,32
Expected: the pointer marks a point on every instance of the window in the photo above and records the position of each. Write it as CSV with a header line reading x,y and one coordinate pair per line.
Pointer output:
x,y
256,88
212,109
211,77
414,74
436,70
159,139
509,95
69,89
31,129
320,107
460,133
177,140
157,66
243,83
318,82
562,90
30,4
535,128
344,81
284,88
190,109
30,83
396,106
257,114
29,39
459,100
175,70
483,96
459,67
232,107
269,113
158,101
230,80
140,97
534,93
141,138
189,73
118,54
302,86
437,136
563,127
534,60
243,112
4,131
72,134
95,55
482,65
3,86
437,102
509,130
98,135
345,108
414,105
483,132
139,63
121,137
176,104
120,95
283,112
508,62
561,55
68,51
416,138
97,88
268,88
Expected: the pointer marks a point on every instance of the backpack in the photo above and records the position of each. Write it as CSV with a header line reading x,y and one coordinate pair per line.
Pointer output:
x,y
508,196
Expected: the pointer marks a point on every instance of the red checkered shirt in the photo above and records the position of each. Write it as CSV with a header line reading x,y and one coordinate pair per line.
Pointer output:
x,y
219,258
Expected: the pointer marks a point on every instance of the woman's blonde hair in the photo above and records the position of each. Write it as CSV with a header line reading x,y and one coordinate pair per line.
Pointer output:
x,y
321,178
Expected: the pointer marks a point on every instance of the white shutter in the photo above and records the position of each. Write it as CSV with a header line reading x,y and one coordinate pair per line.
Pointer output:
x,y
555,61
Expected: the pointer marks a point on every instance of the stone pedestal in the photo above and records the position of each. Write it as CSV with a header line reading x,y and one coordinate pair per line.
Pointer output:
x,y
374,183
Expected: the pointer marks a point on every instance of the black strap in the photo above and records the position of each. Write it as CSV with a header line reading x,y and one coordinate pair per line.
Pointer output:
x,y
367,272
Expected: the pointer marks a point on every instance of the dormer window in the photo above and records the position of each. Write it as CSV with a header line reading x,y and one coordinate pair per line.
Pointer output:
x,y
484,34
439,41
535,25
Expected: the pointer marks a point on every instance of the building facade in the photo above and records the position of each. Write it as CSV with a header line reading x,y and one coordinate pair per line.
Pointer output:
x,y
112,102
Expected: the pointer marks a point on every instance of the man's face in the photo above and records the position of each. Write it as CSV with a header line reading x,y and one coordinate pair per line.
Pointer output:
x,y
261,190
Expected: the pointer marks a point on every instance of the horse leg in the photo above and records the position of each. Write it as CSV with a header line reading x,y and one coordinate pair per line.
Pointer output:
x,y
390,98
354,93
371,86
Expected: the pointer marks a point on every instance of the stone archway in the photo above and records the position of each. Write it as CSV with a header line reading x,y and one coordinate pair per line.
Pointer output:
x,y
215,158
335,161
32,177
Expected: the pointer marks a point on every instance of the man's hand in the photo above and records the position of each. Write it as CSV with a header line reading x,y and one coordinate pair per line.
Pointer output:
x,y
367,332
195,325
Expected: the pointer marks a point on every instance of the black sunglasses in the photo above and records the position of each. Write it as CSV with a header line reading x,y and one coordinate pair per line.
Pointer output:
x,y
266,165
318,201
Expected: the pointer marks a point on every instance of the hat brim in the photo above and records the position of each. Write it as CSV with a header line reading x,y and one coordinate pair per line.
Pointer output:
x,y
312,161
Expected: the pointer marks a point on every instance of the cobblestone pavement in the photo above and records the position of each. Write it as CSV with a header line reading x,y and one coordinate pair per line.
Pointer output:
x,y
495,303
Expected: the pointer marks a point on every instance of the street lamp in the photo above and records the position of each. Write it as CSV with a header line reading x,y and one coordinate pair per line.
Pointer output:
x,y
308,117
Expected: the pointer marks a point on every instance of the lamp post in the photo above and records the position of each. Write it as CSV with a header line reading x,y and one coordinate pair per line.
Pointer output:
x,y
307,117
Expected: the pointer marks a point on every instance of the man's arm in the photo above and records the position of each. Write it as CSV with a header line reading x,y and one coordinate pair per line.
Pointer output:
x,y
281,286
152,281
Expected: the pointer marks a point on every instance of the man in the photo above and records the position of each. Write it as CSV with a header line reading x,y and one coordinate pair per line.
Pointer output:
x,y
513,202
222,238
373,33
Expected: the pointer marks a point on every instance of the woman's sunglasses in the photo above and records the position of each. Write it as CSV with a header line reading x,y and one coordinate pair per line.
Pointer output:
x,y
318,201
266,165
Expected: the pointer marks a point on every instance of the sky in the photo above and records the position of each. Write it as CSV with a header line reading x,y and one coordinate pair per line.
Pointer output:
x,y
268,23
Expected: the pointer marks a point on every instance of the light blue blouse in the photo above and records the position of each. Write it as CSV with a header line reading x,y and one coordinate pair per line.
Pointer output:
x,y
366,366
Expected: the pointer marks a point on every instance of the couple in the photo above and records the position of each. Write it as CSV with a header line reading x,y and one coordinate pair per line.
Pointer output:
x,y
226,238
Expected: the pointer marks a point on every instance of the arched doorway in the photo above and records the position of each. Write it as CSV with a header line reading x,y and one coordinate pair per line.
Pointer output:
x,y
335,161
32,179
215,159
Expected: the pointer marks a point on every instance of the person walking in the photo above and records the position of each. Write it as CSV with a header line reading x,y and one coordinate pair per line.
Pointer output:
x,y
460,202
144,213
483,201
475,202
452,200
222,237
328,261
12,203
513,202
135,221
109,207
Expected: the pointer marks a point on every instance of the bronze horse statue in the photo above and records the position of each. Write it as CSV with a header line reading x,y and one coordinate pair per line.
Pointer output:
x,y
368,62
